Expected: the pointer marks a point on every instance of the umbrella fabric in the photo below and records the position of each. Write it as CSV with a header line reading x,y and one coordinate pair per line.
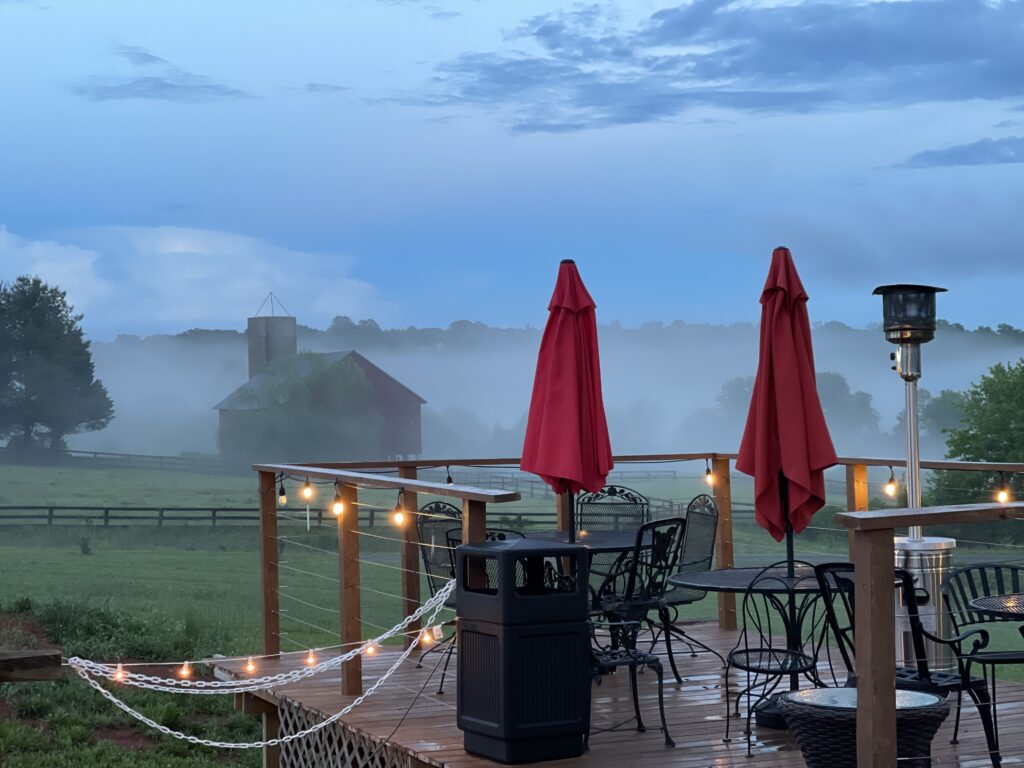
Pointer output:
x,y
567,442
786,430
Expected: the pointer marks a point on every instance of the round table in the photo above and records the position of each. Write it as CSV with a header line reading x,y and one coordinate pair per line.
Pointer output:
x,y
774,581
824,723
596,542
1010,607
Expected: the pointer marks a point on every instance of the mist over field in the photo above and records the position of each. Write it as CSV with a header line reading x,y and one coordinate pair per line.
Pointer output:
x,y
662,382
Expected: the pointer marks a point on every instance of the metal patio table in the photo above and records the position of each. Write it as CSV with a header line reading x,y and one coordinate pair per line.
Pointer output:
x,y
1009,607
738,581
596,542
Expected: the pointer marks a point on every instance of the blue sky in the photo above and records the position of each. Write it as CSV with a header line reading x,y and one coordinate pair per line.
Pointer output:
x,y
422,162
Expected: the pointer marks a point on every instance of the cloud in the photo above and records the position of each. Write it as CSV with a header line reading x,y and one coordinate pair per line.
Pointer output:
x,y
163,81
148,279
582,69
984,152
325,88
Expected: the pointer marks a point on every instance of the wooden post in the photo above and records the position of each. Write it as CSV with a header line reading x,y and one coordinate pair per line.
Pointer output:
x,y
875,648
856,495
562,511
268,561
410,557
723,539
474,530
271,730
348,577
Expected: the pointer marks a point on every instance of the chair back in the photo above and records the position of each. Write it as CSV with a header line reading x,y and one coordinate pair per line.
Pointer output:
x,y
613,508
433,524
838,591
772,607
698,548
653,559
981,580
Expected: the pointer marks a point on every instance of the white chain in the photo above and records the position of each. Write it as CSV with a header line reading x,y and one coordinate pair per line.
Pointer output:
x,y
209,687
437,607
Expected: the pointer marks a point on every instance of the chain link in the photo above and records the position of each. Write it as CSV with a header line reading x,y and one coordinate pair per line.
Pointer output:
x,y
436,604
209,687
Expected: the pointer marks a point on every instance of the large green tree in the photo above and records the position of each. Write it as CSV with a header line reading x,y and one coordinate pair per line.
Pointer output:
x,y
992,429
48,385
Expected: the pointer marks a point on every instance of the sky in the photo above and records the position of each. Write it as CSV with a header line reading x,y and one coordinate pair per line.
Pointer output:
x,y
168,164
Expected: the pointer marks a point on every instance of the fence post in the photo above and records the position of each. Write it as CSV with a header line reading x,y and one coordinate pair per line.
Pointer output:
x,y
856,495
268,561
873,557
348,576
49,516
160,519
474,531
410,556
213,518
106,518
723,540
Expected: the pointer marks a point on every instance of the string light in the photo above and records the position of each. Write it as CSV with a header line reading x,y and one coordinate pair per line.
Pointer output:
x,y
890,485
250,666
398,517
310,658
307,490
185,671
709,476
1003,494
119,674
426,639
371,649
449,479
282,497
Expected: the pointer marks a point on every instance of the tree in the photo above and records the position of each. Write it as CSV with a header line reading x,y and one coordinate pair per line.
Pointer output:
x,y
992,429
48,386
938,415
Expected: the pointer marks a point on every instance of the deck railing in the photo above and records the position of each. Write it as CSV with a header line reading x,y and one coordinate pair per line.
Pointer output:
x,y
870,541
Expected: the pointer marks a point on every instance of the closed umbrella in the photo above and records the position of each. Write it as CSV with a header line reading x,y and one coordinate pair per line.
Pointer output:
x,y
786,445
567,442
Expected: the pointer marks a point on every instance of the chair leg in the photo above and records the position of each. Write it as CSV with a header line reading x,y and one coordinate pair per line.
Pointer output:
x,y
984,705
636,698
666,629
956,723
444,671
728,707
661,704
691,642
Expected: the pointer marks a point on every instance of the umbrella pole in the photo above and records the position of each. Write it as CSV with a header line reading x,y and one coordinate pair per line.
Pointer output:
x,y
572,516
784,501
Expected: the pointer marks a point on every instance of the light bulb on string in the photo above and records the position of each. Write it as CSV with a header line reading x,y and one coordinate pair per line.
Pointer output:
x,y
338,507
282,497
310,658
398,517
119,674
426,639
371,650
890,486
449,479
709,476
185,671
1003,494
250,666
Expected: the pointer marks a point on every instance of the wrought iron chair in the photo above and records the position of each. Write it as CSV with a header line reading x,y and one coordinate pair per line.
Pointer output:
x,y
640,579
836,582
773,615
433,524
961,587
618,648
613,508
696,555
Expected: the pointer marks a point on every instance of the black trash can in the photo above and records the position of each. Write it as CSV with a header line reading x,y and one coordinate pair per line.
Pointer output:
x,y
523,649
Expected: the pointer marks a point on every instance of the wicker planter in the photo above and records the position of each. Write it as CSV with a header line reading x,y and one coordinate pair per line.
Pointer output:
x,y
824,723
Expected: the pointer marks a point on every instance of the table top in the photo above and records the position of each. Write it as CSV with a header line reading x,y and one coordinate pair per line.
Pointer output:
x,y
596,541
738,580
846,698
1003,606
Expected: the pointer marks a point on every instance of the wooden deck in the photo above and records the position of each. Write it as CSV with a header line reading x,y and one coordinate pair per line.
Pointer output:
x,y
695,710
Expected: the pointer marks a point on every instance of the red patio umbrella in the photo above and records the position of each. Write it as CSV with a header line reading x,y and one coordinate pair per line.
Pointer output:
x,y
567,442
786,445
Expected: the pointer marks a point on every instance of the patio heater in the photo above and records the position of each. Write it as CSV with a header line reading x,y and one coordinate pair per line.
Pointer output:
x,y
908,313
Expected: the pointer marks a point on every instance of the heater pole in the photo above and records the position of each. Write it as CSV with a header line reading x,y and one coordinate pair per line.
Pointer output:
x,y
910,356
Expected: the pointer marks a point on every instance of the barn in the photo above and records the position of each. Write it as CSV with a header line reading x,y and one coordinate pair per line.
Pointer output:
x,y
273,356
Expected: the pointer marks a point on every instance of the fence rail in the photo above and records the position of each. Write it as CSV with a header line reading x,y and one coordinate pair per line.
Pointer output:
x,y
199,463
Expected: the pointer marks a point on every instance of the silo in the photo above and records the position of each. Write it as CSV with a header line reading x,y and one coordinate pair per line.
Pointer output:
x,y
270,339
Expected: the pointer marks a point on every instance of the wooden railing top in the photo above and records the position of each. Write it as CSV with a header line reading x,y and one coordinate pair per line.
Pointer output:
x,y
513,461
881,519
368,480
